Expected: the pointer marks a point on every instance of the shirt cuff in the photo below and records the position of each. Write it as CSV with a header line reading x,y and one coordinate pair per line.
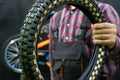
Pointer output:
x,y
115,51
116,48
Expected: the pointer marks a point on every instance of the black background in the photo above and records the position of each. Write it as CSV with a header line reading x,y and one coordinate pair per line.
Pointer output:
x,y
12,14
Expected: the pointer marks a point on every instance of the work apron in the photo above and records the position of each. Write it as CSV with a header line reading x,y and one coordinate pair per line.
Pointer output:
x,y
69,59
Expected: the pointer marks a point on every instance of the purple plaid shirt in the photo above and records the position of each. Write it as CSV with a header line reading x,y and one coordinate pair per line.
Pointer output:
x,y
70,23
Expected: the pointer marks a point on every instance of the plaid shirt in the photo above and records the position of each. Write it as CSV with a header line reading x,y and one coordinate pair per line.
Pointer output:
x,y
70,23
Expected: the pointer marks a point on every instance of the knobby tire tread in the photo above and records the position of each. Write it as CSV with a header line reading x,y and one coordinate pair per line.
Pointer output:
x,y
32,25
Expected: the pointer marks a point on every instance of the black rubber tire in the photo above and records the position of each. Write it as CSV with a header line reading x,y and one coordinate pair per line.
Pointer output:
x,y
32,26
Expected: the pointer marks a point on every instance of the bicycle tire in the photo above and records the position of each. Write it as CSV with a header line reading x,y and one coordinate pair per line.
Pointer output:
x,y
32,25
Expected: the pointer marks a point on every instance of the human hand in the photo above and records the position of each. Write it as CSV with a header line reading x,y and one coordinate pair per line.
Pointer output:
x,y
104,34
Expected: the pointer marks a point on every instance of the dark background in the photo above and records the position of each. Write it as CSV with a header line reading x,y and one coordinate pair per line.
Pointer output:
x,y
12,14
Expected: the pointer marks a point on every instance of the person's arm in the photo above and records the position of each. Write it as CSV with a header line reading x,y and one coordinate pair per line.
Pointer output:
x,y
51,46
108,33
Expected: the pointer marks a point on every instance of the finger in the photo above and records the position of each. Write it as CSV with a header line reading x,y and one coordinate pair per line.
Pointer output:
x,y
104,42
102,26
103,37
105,31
